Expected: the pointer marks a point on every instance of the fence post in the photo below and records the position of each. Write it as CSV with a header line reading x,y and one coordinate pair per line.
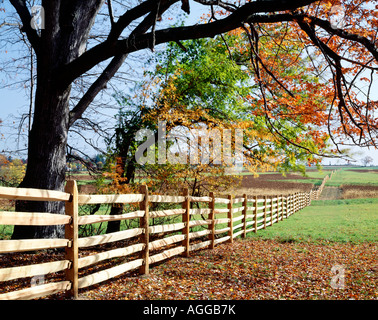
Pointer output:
x,y
72,234
300,201
255,211
291,202
230,223
265,205
294,202
212,217
278,208
286,206
145,236
245,215
282,206
186,220
303,200
306,199
288,199
271,210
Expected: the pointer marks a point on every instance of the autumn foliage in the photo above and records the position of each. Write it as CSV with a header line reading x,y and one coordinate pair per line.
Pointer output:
x,y
317,65
293,85
12,171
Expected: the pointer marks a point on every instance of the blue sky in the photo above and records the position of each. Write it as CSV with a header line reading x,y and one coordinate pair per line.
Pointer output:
x,y
14,102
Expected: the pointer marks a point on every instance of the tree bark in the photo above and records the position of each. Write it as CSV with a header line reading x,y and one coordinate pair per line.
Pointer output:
x,y
63,40
46,157
114,226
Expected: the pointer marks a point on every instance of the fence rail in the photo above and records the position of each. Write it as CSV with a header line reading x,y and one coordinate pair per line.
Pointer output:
x,y
193,232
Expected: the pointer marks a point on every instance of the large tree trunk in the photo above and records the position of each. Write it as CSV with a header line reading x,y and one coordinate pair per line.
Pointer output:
x,y
46,157
64,38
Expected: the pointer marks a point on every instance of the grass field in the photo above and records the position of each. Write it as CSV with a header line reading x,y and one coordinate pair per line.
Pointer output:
x,y
357,176
354,220
341,220
350,183
360,176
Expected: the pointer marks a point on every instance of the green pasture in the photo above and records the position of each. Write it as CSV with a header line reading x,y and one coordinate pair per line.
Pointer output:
x,y
353,175
354,220
347,176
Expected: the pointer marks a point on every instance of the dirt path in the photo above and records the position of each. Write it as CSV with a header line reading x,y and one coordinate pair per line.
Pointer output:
x,y
331,193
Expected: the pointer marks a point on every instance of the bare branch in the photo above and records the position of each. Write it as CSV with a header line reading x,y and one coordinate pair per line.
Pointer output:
x,y
96,87
110,9
23,12
140,40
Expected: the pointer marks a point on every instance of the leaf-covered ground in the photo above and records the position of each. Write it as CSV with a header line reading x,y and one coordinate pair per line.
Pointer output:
x,y
255,269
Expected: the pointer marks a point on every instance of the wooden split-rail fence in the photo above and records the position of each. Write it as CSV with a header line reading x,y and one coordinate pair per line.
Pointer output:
x,y
244,214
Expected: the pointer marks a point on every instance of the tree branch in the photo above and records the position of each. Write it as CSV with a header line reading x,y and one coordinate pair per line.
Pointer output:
x,y
110,9
96,87
326,25
112,68
131,15
329,53
26,18
135,42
